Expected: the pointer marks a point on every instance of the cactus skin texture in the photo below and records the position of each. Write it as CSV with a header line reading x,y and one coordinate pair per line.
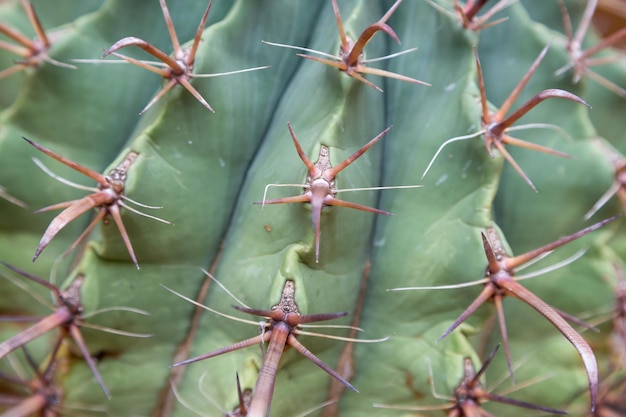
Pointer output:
x,y
206,170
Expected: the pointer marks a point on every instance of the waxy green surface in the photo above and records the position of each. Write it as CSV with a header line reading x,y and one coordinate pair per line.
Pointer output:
x,y
206,170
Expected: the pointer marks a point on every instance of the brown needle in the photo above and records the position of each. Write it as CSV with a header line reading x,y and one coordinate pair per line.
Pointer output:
x,y
470,394
176,69
495,125
108,197
502,282
320,188
42,395
350,59
467,14
32,51
280,330
581,59
67,317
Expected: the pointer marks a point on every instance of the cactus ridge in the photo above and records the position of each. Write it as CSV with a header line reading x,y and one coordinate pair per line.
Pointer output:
x,y
206,170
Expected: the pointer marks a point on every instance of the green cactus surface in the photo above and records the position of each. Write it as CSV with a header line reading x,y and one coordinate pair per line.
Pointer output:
x,y
206,175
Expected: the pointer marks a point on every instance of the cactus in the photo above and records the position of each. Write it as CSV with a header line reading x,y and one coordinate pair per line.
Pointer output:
x,y
205,170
